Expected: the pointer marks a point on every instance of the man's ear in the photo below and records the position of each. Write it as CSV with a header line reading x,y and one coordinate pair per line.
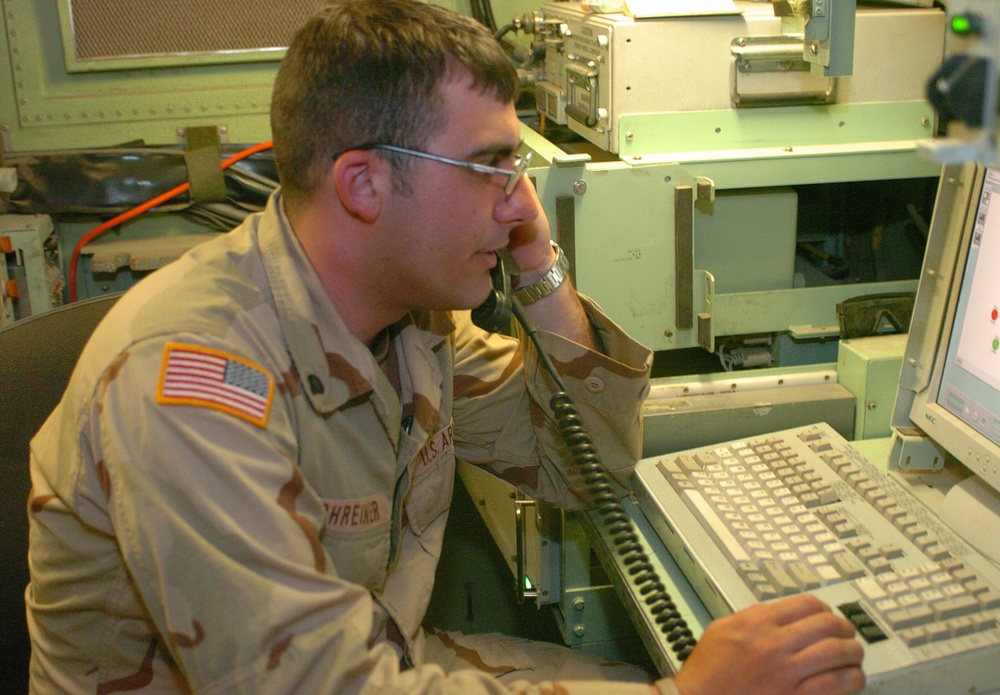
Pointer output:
x,y
359,179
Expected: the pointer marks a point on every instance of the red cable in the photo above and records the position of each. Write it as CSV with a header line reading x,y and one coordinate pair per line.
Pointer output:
x,y
139,209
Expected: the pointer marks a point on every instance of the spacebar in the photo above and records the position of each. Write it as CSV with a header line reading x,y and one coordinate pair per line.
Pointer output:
x,y
716,526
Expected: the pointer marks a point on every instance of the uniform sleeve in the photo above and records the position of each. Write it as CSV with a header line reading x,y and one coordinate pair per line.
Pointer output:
x,y
667,687
219,533
503,417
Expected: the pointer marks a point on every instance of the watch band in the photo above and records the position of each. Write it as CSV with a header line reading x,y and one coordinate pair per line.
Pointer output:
x,y
547,284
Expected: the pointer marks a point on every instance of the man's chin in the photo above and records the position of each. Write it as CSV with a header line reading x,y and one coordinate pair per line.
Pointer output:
x,y
468,303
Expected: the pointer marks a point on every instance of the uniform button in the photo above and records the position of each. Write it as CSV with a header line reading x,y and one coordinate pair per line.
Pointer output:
x,y
594,384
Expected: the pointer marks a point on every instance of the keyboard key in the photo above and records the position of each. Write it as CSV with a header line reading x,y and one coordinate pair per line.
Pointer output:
x,y
780,579
804,577
870,589
848,565
913,637
961,626
891,551
687,463
909,617
937,632
956,607
828,574
989,600
714,525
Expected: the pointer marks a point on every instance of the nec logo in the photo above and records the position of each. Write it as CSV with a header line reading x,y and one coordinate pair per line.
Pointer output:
x,y
930,418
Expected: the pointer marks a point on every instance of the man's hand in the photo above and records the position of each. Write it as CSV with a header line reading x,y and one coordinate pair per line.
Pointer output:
x,y
796,646
529,243
561,312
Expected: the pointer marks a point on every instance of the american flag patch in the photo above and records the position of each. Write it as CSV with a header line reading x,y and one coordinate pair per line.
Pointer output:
x,y
202,376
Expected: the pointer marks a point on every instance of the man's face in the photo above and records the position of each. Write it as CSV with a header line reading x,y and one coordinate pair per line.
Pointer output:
x,y
446,229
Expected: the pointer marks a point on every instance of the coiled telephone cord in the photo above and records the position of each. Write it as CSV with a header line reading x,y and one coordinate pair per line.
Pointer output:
x,y
619,527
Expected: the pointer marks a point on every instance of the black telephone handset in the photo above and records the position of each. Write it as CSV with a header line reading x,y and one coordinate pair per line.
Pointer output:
x,y
493,316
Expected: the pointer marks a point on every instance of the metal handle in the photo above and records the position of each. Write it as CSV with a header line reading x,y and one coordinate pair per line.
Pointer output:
x,y
683,257
521,536
754,55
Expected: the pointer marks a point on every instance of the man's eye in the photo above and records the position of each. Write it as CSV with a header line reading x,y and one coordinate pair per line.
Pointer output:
x,y
498,161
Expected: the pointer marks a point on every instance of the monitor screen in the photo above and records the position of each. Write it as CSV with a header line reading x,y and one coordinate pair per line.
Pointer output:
x,y
970,382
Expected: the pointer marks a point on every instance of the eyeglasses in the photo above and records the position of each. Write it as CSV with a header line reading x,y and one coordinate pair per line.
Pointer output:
x,y
512,175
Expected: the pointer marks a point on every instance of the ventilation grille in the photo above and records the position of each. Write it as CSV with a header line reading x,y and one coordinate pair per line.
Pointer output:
x,y
122,29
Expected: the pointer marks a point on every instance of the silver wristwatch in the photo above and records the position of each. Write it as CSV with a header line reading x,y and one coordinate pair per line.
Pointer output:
x,y
547,284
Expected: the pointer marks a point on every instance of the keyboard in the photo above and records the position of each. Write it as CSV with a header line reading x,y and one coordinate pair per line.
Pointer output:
x,y
802,511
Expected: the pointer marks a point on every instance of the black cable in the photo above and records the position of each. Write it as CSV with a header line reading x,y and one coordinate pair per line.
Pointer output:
x,y
504,30
641,573
491,21
478,13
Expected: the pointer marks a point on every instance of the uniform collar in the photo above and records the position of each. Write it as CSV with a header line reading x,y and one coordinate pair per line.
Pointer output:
x,y
333,366
309,321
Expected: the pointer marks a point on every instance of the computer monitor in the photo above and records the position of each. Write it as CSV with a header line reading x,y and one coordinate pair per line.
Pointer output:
x,y
948,404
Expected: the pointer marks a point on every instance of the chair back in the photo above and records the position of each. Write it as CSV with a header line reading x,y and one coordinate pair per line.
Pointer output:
x,y
37,356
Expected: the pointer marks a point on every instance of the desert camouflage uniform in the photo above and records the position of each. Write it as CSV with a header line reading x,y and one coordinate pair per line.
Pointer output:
x,y
275,527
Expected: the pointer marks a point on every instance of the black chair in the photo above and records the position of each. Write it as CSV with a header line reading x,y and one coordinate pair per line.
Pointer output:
x,y
37,356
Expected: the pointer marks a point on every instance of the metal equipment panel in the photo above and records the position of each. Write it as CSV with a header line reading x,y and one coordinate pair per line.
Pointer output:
x,y
611,67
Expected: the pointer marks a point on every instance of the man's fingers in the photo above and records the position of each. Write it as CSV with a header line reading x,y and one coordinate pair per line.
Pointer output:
x,y
794,608
815,627
831,653
842,681
830,662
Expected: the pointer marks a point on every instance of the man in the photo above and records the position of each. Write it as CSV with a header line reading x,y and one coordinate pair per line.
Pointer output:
x,y
246,485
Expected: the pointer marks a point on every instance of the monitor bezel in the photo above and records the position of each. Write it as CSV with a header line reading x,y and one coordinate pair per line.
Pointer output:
x,y
926,434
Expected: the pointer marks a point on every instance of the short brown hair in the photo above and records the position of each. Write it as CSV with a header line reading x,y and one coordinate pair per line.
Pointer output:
x,y
367,71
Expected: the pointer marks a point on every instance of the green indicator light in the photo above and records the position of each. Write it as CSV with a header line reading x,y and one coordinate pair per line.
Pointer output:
x,y
970,23
961,24
996,344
